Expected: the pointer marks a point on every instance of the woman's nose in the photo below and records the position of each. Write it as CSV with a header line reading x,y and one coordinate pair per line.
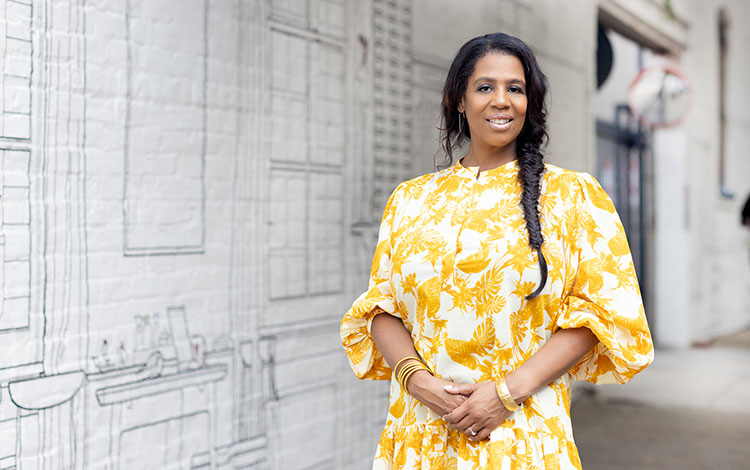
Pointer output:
x,y
500,99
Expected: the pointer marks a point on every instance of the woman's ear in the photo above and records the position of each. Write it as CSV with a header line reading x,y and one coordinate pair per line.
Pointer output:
x,y
461,106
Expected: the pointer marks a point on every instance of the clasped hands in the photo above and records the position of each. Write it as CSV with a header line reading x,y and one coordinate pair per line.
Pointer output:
x,y
472,409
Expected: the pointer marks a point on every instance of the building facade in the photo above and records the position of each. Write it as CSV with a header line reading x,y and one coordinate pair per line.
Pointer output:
x,y
191,193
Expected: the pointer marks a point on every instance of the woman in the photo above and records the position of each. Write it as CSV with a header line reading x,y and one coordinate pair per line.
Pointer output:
x,y
494,283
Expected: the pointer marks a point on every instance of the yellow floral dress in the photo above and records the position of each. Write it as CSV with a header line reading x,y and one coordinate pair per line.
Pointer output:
x,y
454,263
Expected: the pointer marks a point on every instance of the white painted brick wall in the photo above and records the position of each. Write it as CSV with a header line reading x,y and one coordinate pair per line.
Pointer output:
x,y
190,200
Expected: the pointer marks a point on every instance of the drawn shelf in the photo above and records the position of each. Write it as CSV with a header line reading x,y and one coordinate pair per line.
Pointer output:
x,y
166,383
46,391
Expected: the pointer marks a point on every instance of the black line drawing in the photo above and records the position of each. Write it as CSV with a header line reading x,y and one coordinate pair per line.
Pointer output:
x,y
20,365
15,81
293,384
182,376
304,265
188,450
45,392
170,361
392,71
15,247
306,180
165,133
15,240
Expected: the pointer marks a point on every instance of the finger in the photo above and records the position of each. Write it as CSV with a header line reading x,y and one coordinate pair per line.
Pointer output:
x,y
465,424
460,389
457,415
462,428
454,401
454,405
448,408
480,433
487,423
460,425
483,435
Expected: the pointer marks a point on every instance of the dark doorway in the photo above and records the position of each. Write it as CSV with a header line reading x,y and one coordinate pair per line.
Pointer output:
x,y
623,147
621,150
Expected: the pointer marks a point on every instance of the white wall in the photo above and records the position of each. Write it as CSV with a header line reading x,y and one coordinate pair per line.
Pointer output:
x,y
222,166
701,272
719,251
191,197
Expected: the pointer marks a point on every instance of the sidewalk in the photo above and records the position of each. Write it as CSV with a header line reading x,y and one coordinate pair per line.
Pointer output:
x,y
689,410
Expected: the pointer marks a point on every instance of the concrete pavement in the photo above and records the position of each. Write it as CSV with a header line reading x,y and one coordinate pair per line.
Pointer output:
x,y
690,410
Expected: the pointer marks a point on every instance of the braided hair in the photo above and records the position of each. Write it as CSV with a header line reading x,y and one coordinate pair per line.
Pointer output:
x,y
529,142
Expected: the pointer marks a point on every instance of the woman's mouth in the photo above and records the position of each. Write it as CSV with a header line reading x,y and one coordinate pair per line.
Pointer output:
x,y
500,124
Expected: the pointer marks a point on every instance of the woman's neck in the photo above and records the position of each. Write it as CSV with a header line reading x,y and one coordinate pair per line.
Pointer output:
x,y
489,158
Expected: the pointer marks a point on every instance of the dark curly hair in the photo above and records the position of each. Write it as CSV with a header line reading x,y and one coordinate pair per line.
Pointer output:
x,y
530,141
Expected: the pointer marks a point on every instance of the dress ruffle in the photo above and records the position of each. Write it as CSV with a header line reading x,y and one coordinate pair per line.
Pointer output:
x,y
604,296
437,447
364,357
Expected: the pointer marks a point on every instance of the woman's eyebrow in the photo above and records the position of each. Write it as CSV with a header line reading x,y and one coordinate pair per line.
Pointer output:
x,y
512,81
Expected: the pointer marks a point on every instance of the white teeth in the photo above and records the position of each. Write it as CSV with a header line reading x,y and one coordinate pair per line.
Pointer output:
x,y
499,121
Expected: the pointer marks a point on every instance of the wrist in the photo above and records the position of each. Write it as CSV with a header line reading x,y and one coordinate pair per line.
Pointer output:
x,y
418,381
520,386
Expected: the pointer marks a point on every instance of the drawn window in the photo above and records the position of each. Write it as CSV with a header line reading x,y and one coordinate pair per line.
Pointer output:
x,y
15,240
165,128
308,141
15,80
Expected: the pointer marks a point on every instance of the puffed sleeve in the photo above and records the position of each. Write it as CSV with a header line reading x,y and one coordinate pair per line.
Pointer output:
x,y
364,357
604,296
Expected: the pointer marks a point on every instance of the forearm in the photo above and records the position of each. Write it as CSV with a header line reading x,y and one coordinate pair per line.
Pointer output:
x,y
395,343
563,350
392,338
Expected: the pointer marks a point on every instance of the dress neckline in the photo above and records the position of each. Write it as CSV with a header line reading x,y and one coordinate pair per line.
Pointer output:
x,y
507,169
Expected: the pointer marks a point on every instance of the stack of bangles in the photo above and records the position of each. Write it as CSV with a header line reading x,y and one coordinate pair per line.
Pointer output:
x,y
412,365
505,397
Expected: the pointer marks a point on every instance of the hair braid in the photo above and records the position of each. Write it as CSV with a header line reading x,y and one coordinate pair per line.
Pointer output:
x,y
530,141
530,174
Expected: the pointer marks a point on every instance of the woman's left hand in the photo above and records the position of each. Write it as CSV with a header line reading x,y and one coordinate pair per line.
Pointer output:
x,y
480,414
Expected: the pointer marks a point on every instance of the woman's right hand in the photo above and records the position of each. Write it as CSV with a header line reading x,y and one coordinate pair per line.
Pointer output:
x,y
430,391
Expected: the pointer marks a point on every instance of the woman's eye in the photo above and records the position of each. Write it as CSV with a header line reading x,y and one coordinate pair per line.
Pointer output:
x,y
515,89
484,88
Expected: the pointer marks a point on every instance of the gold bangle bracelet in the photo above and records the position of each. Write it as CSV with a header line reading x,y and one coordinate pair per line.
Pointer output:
x,y
402,371
504,394
395,368
410,372
406,371
405,376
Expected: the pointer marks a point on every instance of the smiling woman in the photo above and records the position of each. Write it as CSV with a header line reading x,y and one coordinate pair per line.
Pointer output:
x,y
495,108
478,334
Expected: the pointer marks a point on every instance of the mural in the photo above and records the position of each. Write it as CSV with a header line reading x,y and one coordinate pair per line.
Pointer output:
x,y
180,229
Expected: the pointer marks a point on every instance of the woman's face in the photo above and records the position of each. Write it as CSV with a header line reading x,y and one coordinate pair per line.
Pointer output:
x,y
495,101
